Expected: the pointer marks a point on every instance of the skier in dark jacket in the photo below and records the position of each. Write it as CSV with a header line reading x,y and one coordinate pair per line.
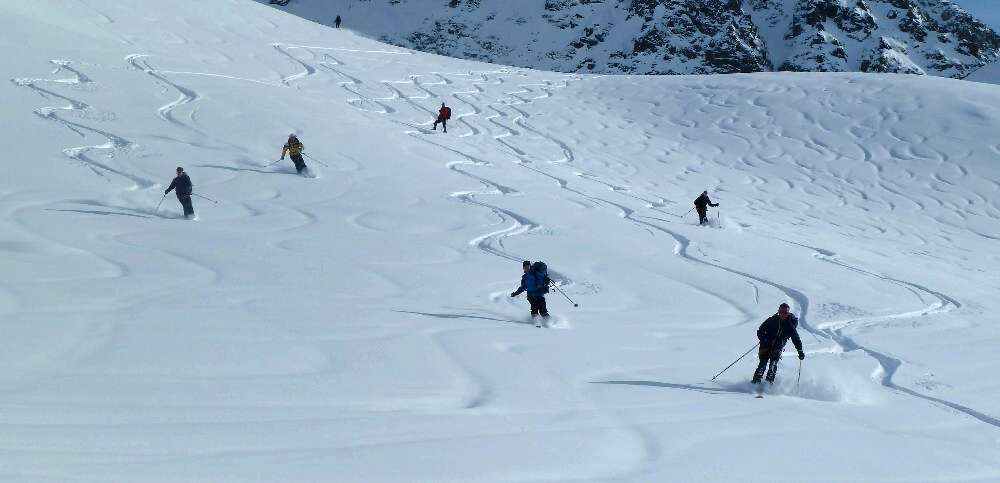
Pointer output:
x,y
184,188
443,115
773,334
336,22
536,284
701,204
294,148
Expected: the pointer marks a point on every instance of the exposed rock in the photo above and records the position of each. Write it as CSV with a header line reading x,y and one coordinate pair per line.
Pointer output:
x,y
684,36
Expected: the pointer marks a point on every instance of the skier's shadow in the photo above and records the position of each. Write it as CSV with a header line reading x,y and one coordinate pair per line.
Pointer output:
x,y
99,212
104,210
249,170
686,387
459,316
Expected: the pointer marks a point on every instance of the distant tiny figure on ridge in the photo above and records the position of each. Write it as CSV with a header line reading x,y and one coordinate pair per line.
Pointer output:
x,y
336,22
294,148
184,188
701,204
443,115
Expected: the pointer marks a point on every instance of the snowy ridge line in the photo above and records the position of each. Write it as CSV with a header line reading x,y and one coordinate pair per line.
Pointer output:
x,y
340,49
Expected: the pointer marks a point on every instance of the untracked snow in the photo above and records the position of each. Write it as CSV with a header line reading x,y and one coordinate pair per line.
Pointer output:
x,y
356,326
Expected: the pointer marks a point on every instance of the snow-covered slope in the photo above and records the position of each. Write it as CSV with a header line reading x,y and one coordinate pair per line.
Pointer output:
x,y
357,326
680,36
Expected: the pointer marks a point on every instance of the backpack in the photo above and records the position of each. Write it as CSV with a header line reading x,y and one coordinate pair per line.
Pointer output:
x,y
447,115
541,272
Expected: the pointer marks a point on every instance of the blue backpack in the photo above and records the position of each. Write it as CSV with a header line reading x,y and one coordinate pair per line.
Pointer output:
x,y
541,273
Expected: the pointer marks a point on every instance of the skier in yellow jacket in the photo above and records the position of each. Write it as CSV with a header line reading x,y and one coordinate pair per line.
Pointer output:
x,y
294,148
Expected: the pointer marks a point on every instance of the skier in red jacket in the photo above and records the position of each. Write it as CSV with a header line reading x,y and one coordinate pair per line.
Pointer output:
x,y
443,115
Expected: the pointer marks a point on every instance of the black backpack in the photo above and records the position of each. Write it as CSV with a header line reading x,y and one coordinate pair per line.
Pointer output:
x,y
541,272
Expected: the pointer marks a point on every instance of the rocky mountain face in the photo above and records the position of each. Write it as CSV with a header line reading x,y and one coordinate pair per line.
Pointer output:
x,y
680,36
900,36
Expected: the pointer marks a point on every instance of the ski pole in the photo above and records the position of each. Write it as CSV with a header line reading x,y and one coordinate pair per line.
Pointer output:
x,y
318,161
799,378
737,360
274,163
567,296
688,212
160,203
204,198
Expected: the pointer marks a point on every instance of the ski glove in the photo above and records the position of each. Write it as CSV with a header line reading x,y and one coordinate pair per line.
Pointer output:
x,y
802,355
513,294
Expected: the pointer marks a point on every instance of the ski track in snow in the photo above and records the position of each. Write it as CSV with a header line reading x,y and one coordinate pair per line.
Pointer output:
x,y
515,224
186,96
508,122
115,146
495,108
888,365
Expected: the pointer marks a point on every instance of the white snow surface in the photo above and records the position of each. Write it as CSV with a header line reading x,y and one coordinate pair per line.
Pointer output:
x,y
356,326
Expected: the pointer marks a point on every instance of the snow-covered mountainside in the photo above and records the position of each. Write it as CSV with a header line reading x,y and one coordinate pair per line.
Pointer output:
x,y
357,325
680,36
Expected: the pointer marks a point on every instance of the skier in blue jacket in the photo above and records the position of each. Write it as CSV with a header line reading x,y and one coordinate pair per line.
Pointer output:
x,y
535,282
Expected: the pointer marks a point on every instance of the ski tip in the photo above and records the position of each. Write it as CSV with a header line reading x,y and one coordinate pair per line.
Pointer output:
x,y
759,396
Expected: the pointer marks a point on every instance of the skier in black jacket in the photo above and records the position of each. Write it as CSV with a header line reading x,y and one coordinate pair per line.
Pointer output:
x,y
773,334
701,204
184,188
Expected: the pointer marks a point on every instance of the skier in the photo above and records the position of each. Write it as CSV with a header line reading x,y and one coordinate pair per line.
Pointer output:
x,y
443,115
184,189
336,22
294,147
773,334
535,281
701,204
